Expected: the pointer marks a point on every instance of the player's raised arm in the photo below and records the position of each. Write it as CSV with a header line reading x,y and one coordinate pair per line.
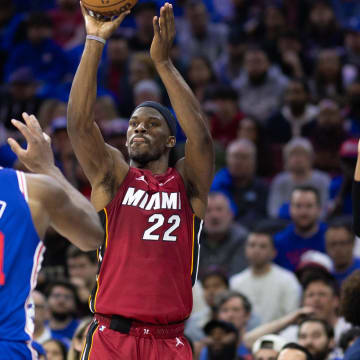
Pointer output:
x,y
96,158
52,199
198,166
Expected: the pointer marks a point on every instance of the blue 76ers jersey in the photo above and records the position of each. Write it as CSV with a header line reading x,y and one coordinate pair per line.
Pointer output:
x,y
21,253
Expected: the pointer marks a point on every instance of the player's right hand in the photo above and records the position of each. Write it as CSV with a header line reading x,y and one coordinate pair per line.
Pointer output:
x,y
38,156
103,29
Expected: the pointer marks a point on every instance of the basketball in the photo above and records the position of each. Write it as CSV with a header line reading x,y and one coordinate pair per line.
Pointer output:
x,y
107,8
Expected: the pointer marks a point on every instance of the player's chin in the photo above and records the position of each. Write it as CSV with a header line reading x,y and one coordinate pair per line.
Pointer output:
x,y
138,154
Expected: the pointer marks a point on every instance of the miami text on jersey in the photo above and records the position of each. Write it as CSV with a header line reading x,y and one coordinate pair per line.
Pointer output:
x,y
159,200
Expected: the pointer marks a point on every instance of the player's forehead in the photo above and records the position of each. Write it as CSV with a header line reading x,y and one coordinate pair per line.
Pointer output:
x,y
145,112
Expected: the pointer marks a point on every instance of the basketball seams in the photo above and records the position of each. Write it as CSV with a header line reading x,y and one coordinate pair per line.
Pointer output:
x,y
103,6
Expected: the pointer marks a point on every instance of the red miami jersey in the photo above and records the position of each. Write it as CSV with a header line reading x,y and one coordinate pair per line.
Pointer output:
x,y
149,259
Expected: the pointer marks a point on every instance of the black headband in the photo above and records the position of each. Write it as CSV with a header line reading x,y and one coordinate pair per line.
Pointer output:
x,y
165,112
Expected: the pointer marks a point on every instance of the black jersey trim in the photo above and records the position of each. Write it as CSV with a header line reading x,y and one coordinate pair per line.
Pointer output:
x,y
100,256
197,227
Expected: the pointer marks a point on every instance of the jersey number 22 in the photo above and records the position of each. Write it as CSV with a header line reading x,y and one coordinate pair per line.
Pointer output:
x,y
158,220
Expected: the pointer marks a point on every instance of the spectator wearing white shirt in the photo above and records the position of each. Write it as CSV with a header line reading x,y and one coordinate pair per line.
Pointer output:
x,y
272,290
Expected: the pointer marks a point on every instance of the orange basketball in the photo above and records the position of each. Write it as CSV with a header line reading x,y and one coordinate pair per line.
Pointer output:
x,y
108,7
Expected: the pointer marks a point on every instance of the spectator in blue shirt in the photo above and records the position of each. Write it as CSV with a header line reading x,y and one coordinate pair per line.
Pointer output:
x,y
340,241
63,304
306,232
39,52
238,181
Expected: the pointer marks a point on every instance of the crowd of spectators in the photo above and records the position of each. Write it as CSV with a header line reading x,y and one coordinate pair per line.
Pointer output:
x,y
279,82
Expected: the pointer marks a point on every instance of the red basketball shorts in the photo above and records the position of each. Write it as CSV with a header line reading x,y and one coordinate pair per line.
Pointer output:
x,y
143,342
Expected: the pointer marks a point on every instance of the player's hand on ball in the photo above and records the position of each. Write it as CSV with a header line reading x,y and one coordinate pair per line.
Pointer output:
x,y
164,34
38,156
103,29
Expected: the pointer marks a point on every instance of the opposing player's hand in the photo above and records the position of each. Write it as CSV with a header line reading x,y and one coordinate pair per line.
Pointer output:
x,y
38,156
164,34
103,29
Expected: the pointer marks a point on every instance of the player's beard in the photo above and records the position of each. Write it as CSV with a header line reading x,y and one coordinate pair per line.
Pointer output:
x,y
144,158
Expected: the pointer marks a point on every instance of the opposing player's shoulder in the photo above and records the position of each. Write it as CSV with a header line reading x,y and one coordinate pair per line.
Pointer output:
x,y
43,187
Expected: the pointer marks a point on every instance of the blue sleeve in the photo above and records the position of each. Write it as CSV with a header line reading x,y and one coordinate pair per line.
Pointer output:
x,y
7,156
14,61
334,187
222,183
7,38
204,354
280,258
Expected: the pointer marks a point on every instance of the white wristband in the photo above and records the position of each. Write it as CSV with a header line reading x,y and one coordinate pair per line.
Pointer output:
x,y
97,38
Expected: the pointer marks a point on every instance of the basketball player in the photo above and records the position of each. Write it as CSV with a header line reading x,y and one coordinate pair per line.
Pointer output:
x,y
152,213
29,204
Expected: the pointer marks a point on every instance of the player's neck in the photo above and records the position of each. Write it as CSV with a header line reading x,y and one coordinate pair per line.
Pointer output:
x,y
157,167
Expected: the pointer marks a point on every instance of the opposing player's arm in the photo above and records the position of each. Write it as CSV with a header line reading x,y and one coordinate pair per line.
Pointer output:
x,y
52,199
198,166
66,209
97,159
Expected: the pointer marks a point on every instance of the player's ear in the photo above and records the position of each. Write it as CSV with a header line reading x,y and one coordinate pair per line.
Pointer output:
x,y
171,142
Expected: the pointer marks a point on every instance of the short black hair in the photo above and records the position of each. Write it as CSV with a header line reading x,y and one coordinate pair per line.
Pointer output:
x,y
65,284
308,188
296,346
342,222
225,296
215,271
329,330
225,325
264,228
328,280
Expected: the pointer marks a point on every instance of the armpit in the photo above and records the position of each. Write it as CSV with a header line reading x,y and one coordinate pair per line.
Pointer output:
x,y
109,183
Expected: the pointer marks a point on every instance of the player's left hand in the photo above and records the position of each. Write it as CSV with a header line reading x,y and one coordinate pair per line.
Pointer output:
x,y
38,156
104,29
164,34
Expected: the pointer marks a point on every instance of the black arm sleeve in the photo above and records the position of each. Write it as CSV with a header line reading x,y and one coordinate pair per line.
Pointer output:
x,y
356,207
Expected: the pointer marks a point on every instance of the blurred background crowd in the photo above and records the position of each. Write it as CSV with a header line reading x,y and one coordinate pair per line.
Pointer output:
x,y
279,82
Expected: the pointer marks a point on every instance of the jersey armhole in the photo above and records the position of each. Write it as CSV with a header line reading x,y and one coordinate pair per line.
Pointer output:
x,y
22,184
